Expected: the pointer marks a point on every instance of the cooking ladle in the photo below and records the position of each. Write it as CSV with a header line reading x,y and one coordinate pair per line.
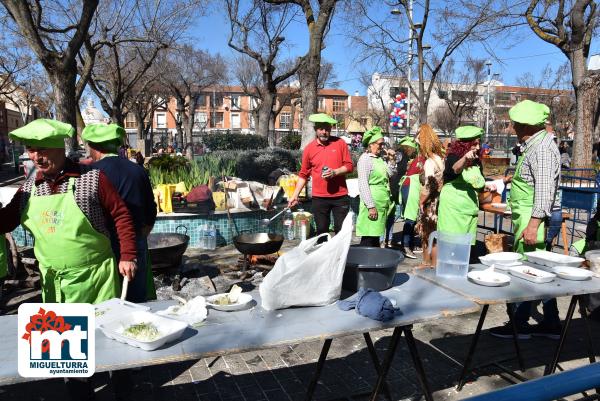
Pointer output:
x,y
266,222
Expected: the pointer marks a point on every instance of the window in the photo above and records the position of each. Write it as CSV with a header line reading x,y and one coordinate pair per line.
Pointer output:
x,y
201,100
216,100
161,120
235,102
321,105
200,119
285,120
339,104
443,94
130,121
217,120
235,120
502,97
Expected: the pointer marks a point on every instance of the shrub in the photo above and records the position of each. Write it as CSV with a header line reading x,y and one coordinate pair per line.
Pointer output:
x,y
169,163
257,165
291,141
234,142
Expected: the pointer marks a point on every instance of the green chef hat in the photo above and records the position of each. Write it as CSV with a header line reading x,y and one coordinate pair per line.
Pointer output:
x,y
322,118
408,141
372,135
529,113
99,133
468,132
43,133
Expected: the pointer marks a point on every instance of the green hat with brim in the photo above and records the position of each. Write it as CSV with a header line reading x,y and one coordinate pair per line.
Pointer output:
x,y
408,141
43,133
372,135
468,132
322,118
529,113
100,133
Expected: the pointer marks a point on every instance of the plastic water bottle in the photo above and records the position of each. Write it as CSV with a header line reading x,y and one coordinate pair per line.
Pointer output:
x,y
202,236
211,236
288,225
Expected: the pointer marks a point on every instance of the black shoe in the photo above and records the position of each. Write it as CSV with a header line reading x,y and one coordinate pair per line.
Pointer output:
x,y
506,331
545,330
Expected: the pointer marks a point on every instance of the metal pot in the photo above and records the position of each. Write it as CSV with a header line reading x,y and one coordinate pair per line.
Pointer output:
x,y
258,244
167,248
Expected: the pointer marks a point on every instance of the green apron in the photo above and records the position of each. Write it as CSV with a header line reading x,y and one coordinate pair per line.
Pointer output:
x,y
3,258
76,261
411,209
458,209
521,206
380,192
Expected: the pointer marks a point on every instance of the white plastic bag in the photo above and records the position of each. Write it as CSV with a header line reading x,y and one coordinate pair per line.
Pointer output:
x,y
310,274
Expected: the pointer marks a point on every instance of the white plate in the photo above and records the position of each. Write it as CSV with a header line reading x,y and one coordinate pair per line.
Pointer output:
x,y
488,278
572,273
243,300
503,258
532,274
499,205
169,329
552,259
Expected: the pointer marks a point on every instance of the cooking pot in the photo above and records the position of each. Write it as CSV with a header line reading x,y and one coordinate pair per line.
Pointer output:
x,y
258,244
167,248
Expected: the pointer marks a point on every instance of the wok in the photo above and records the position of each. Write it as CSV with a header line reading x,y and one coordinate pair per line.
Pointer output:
x,y
167,248
258,244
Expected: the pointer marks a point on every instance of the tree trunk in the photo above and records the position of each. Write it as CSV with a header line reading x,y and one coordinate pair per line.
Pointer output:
x,y
265,110
117,116
309,76
65,101
582,143
589,93
189,128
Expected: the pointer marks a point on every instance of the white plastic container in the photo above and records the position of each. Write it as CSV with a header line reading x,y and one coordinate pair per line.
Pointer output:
x,y
552,259
115,308
532,274
169,329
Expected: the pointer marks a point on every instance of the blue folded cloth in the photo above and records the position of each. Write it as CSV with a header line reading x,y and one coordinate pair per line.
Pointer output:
x,y
369,303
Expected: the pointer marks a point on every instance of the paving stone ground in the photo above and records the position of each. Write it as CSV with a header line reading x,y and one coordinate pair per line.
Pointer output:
x,y
283,373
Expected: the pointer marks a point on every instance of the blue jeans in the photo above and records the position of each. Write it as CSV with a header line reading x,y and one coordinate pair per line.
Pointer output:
x,y
522,313
408,231
554,224
389,226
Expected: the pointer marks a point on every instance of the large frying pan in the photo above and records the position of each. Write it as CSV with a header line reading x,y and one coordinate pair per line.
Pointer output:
x,y
258,244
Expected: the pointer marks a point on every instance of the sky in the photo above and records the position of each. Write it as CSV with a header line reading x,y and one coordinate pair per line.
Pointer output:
x,y
529,55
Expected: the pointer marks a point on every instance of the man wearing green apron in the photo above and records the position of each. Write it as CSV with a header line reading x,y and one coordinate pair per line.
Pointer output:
x,y
533,193
64,207
373,184
458,209
133,185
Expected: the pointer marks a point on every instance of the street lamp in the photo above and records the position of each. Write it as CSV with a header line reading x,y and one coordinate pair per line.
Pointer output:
x,y
488,64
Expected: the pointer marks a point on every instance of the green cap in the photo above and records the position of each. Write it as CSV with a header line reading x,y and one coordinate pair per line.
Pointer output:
x,y
529,113
408,141
372,135
99,133
468,132
322,118
43,133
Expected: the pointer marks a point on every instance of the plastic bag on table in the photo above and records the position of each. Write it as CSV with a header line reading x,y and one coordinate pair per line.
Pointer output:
x,y
310,274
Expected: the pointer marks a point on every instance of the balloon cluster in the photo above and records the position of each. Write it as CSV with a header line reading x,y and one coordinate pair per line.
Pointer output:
x,y
398,114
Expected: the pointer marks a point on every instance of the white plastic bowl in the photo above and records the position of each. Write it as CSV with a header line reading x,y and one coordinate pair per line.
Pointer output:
x,y
488,278
169,329
572,273
243,300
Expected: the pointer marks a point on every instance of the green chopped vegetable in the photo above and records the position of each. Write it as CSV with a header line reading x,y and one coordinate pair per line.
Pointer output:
x,y
142,331
100,312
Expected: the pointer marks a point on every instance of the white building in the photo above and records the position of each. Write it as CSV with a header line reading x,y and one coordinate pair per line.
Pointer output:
x,y
92,115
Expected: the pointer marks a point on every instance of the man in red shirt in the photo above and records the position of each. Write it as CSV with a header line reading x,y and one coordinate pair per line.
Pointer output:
x,y
326,160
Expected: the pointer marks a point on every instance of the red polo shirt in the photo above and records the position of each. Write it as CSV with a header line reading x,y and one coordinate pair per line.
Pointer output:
x,y
334,155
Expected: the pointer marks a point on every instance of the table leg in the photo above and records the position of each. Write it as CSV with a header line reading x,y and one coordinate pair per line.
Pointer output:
x,y
552,366
563,232
387,362
513,324
588,332
469,359
375,359
317,374
414,354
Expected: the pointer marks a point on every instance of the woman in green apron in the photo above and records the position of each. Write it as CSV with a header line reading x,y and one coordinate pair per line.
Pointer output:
x,y
459,202
373,184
